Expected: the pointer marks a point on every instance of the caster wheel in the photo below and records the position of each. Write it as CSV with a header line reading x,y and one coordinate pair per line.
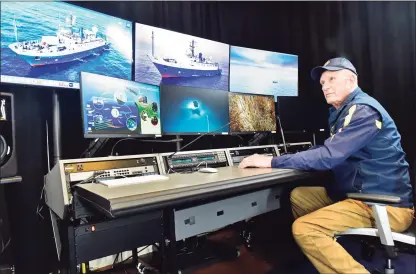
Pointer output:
x,y
247,238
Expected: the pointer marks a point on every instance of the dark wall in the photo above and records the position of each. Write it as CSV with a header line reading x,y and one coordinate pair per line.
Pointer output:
x,y
31,235
378,37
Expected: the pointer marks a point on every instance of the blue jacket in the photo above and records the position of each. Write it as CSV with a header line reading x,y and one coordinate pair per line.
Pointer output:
x,y
363,151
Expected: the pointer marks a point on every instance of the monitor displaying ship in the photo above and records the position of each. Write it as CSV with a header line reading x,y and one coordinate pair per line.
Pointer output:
x,y
50,43
194,65
69,44
167,57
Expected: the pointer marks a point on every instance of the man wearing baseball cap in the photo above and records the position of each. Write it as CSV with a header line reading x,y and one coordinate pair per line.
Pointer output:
x,y
365,154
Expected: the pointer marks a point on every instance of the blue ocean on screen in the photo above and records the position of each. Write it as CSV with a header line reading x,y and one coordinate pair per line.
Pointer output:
x,y
189,110
56,41
263,72
172,58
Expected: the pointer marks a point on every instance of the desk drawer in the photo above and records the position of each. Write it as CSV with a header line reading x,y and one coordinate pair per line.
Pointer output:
x,y
204,218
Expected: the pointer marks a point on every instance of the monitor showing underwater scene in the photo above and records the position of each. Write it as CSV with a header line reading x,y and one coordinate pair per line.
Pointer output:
x,y
251,113
188,110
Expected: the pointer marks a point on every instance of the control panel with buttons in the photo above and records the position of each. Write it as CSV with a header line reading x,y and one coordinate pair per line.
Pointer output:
x,y
189,160
66,173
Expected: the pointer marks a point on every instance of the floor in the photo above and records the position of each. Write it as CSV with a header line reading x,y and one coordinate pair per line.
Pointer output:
x,y
275,252
264,257
248,262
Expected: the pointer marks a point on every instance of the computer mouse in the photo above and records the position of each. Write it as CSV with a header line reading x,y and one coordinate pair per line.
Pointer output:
x,y
208,170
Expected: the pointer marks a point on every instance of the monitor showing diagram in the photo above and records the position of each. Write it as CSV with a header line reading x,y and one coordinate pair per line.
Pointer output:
x,y
119,108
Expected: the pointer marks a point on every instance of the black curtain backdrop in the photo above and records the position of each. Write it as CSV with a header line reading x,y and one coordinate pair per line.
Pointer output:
x,y
378,37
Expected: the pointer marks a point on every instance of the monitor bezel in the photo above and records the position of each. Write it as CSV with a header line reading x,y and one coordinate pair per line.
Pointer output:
x,y
180,33
249,48
217,133
106,135
252,94
79,72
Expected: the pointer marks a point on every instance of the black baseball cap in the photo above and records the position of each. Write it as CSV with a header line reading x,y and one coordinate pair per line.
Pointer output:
x,y
333,64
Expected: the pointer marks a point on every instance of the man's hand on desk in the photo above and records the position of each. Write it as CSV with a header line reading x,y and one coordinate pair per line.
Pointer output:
x,y
256,160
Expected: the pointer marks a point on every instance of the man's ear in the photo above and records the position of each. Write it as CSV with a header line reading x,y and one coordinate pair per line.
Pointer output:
x,y
351,78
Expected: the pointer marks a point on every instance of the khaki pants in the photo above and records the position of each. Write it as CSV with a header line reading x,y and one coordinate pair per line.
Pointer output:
x,y
318,219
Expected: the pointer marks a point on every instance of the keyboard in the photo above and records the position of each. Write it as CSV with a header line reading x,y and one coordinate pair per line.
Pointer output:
x,y
132,180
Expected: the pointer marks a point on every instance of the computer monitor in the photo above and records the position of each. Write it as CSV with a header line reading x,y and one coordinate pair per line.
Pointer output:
x,y
189,110
251,113
50,43
168,57
114,107
263,72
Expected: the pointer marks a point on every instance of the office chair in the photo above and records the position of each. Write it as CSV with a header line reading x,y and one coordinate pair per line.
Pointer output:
x,y
382,230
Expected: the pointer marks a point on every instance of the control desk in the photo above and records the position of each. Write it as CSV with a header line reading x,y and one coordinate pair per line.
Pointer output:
x,y
191,160
67,173
237,154
136,212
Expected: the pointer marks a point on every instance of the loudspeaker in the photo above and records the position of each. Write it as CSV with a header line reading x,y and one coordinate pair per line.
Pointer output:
x,y
8,161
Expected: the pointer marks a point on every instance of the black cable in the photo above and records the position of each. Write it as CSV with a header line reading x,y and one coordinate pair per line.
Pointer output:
x,y
115,259
238,135
3,246
131,256
89,147
121,140
89,179
170,156
281,132
145,141
100,144
162,141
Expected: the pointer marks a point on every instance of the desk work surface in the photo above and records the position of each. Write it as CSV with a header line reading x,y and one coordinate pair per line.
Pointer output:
x,y
179,185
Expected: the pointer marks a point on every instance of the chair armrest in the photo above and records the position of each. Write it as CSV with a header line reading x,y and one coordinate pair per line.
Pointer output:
x,y
375,198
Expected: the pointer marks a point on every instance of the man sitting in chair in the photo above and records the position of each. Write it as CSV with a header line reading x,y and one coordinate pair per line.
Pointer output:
x,y
365,155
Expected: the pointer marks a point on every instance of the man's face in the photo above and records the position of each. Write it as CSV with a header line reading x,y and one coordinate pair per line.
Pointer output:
x,y
336,86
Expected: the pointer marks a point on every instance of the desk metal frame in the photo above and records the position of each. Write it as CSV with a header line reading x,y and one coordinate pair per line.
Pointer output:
x,y
171,249
153,223
91,241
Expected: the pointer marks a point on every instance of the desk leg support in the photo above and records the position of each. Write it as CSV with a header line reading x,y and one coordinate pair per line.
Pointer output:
x,y
71,250
162,252
171,241
135,257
